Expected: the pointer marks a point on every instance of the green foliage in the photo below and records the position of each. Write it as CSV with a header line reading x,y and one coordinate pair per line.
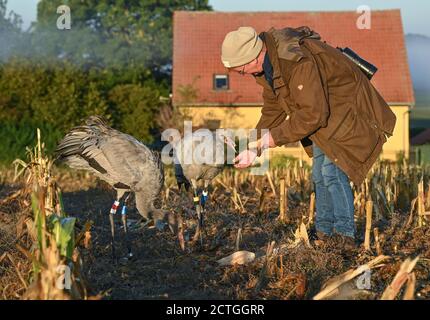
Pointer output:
x,y
16,136
57,97
136,108
64,233
112,33
114,62
58,94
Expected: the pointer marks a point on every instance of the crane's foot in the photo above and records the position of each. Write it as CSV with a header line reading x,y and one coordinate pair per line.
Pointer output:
x,y
138,225
126,236
159,225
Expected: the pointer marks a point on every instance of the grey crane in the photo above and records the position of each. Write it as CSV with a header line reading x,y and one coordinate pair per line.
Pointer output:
x,y
122,161
200,166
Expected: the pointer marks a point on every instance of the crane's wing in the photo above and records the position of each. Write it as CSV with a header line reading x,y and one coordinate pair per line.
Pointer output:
x,y
116,157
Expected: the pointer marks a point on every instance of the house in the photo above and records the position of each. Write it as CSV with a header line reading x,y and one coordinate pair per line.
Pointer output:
x,y
212,97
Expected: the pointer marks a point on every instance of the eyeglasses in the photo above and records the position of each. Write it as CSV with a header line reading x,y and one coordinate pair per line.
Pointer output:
x,y
242,72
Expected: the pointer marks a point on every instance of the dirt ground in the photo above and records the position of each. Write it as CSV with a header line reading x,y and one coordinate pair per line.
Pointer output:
x,y
160,269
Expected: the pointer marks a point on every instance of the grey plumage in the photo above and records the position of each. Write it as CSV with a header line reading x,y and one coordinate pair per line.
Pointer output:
x,y
200,159
117,158
206,171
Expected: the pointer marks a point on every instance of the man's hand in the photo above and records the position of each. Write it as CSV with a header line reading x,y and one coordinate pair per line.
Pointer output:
x,y
244,159
247,157
263,143
272,143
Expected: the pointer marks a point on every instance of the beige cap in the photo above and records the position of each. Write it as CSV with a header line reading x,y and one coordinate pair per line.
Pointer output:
x,y
240,47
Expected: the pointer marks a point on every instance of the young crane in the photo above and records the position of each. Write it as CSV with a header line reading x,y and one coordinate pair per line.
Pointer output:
x,y
200,158
122,161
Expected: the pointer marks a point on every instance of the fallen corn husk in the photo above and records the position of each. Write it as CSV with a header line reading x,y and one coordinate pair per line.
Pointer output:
x,y
239,257
337,281
301,234
399,280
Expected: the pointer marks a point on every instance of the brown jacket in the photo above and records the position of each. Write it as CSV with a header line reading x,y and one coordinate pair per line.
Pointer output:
x,y
321,96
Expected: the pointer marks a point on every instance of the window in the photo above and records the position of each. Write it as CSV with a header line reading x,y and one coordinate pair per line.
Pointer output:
x,y
221,82
212,124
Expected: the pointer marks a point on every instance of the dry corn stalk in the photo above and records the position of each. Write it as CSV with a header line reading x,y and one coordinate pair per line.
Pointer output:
x,y
301,234
410,287
239,200
421,203
269,177
235,198
369,207
46,285
51,231
337,281
262,198
262,279
238,238
180,231
282,201
400,278
428,196
85,235
411,214
18,272
377,244
311,209
223,184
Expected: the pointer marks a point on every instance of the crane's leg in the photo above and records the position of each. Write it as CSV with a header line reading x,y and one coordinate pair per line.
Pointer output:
x,y
124,223
204,198
113,210
196,201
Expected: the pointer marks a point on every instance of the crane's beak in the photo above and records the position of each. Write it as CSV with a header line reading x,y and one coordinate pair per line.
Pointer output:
x,y
230,142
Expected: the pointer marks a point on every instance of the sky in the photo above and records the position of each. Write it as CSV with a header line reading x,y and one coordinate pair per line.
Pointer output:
x,y
415,13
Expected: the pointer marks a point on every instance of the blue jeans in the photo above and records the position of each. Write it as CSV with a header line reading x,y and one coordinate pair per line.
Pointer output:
x,y
334,198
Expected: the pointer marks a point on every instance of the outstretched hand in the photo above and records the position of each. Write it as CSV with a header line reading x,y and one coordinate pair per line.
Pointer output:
x,y
245,159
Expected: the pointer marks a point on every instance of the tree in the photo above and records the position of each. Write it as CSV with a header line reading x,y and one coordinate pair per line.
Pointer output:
x,y
10,31
132,34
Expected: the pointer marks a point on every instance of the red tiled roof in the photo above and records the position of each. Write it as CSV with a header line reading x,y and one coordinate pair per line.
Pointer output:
x,y
197,39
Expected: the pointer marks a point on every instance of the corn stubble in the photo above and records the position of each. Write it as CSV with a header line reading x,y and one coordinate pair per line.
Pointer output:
x,y
56,263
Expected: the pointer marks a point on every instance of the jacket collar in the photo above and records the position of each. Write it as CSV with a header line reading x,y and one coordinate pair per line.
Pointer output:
x,y
285,44
269,41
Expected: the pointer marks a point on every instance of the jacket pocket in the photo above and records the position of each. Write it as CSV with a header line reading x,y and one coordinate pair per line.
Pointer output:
x,y
356,136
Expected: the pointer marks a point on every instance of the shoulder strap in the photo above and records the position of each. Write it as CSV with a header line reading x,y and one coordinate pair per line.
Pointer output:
x,y
288,41
285,44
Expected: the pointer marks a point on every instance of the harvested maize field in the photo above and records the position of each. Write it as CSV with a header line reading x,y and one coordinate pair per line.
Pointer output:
x,y
259,240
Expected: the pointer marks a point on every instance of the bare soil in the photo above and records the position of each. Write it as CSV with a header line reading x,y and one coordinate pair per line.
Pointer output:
x,y
160,269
